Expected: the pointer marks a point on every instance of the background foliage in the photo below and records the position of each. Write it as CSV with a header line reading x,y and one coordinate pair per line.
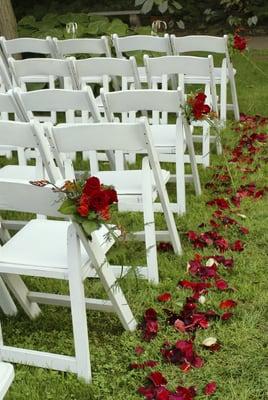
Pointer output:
x,y
218,15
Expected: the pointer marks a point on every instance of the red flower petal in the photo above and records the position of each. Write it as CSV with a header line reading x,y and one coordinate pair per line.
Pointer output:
x,y
225,304
139,350
164,297
157,378
227,315
221,284
179,325
210,388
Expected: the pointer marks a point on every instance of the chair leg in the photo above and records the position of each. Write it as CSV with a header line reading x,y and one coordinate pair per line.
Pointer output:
x,y
206,145
223,97
105,273
6,302
190,146
149,223
234,93
78,308
180,172
20,291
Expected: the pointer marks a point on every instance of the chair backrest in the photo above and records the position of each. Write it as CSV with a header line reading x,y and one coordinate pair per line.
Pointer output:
x,y
90,46
8,105
27,45
5,78
145,100
141,42
181,66
210,44
23,70
57,100
25,197
95,69
125,137
26,135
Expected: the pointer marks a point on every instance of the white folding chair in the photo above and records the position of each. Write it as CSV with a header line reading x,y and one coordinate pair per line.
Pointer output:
x,y
45,70
16,46
23,135
67,102
6,376
137,189
63,253
5,79
170,140
147,43
180,67
89,46
223,75
100,70
9,109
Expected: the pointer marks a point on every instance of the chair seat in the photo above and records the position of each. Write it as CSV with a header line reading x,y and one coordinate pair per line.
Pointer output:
x,y
164,136
40,249
127,182
24,172
6,377
205,79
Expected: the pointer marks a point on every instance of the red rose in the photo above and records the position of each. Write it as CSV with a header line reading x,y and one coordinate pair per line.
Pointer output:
x,y
200,97
98,200
83,200
206,109
105,214
83,210
92,184
112,194
240,43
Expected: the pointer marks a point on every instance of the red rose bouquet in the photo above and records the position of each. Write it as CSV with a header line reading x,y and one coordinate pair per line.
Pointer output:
x,y
195,108
87,202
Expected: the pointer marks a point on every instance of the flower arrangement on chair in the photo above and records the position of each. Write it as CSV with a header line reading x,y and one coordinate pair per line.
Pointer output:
x,y
195,108
86,201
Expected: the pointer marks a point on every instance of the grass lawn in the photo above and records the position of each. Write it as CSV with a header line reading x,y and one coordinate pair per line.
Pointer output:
x,y
239,366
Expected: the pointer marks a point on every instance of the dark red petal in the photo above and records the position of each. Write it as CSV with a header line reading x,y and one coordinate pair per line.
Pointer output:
x,y
157,378
164,297
210,388
225,304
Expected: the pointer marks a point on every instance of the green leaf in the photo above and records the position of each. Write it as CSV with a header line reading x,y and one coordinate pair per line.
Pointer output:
x,y
147,6
117,26
177,5
143,30
89,226
139,2
93,28
99,18
163,7
29,20
67,207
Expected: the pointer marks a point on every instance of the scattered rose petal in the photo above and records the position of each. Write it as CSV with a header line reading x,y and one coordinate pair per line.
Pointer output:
x,y
139,350
164,297
209,341
227,315
221,284
157,378
202,299
225,304
210,388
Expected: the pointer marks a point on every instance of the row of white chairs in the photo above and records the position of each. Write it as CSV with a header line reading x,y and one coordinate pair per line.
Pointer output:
x,y
65,252
166,45
170,140
79,73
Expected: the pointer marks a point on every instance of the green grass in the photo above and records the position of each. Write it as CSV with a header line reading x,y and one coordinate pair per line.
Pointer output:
x,y
239,368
